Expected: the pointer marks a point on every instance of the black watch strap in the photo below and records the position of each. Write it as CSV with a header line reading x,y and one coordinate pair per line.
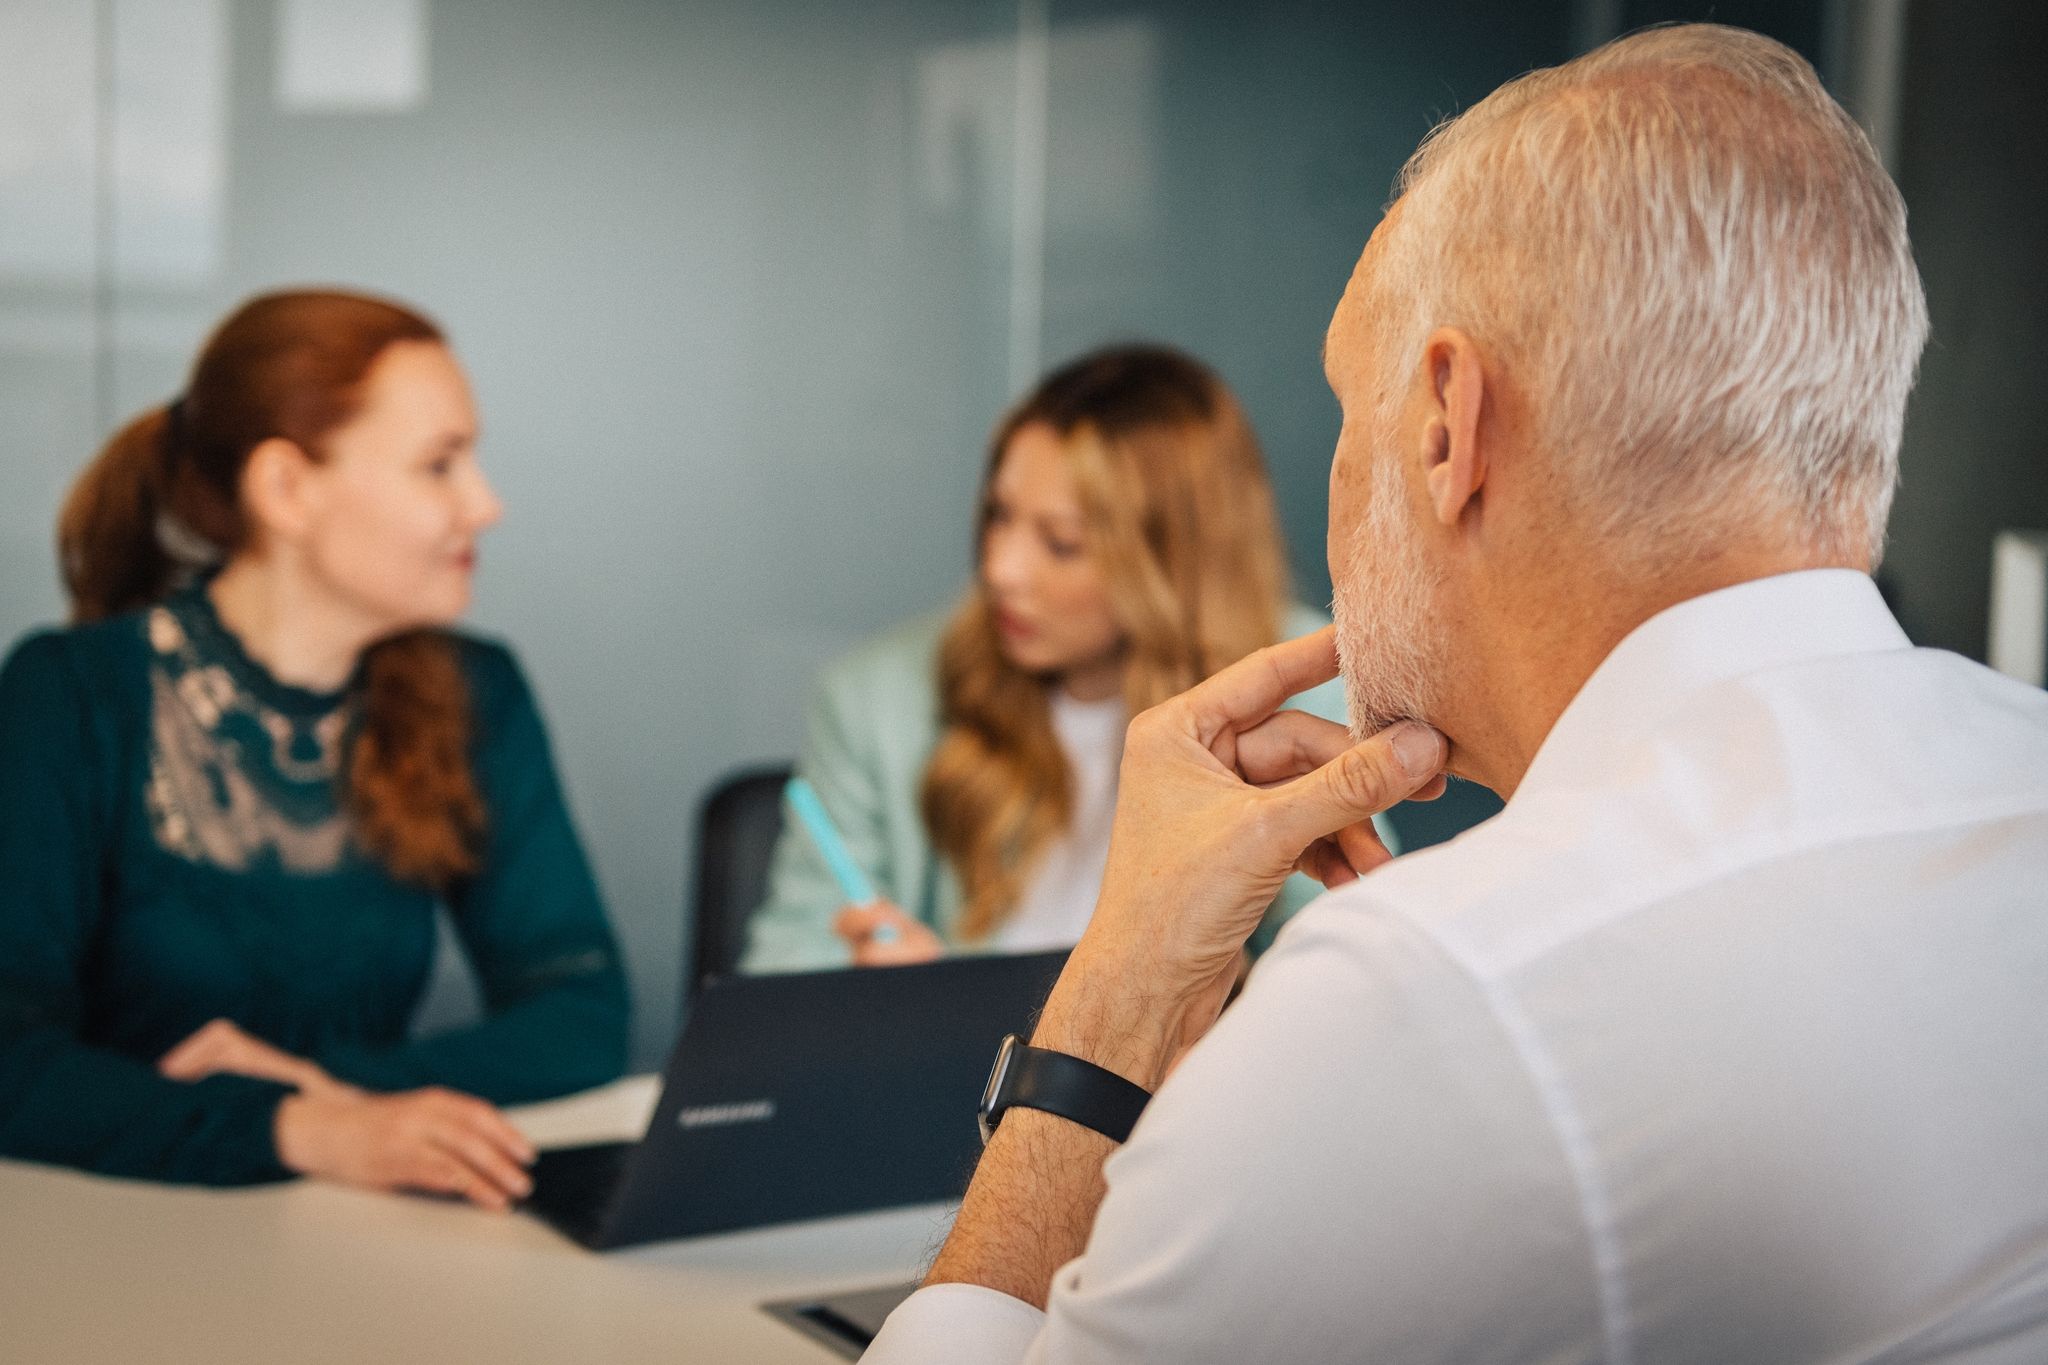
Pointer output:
x,y
1076,1090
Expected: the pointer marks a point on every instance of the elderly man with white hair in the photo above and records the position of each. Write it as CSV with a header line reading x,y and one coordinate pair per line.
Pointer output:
x,y
1728,1039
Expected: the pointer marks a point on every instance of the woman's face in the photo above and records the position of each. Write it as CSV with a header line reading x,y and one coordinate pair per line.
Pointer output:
x,y
1047,593
399,501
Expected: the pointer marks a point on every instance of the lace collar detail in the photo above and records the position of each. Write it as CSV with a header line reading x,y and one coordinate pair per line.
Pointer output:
x,y
210,640
245,771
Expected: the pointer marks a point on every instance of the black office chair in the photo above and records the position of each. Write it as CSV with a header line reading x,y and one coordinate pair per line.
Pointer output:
x,y
741,819
737,827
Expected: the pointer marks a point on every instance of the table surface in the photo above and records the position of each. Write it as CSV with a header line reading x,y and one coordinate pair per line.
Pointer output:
x,y
104,1270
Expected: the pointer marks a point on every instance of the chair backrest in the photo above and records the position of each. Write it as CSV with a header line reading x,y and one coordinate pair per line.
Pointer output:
x,y
737,827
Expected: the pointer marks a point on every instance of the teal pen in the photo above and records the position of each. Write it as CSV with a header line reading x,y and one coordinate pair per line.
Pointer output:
x,y
853,883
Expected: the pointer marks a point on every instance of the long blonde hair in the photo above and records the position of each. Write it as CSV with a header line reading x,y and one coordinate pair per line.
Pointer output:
x,y
1179,517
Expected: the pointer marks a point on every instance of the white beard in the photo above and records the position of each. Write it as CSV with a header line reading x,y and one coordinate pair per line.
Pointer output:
x,y
1390,649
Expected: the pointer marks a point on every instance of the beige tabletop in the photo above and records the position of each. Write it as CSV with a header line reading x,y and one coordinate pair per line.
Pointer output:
x,y
98,1270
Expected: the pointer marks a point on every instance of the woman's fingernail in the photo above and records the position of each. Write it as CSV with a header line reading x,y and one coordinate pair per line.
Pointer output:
x,y
1418,748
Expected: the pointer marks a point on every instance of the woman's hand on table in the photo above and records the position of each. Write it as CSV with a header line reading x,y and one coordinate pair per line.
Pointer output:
x,y
881,935
432,1141
435,1141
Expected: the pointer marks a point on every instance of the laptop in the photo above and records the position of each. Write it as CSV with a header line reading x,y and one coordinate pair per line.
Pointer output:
x,y
804,1096
844,1324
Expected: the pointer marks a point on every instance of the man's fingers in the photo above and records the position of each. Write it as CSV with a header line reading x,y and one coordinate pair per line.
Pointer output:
x,y
1323,861
1361,847
1345,856
1288,744
1254,687
1356,785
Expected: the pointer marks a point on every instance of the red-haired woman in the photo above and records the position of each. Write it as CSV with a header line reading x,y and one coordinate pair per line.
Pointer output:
x,y
232,793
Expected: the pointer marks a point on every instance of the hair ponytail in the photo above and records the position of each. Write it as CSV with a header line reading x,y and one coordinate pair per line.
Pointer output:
x,y
108,547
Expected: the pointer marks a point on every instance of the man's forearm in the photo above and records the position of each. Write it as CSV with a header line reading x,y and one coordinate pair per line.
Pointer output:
x,y
1035,1193
1219,794
1029,1208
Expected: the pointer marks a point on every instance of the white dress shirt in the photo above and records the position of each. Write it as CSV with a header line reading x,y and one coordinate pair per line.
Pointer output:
x,y
1061,895
1726,1041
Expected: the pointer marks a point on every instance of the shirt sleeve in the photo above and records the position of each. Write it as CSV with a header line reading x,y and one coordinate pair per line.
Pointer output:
x,y
956,1322
61,1100
554,992
1323,1178
792,929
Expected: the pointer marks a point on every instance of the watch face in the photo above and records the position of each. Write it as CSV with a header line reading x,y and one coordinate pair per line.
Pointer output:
x,y
988,1114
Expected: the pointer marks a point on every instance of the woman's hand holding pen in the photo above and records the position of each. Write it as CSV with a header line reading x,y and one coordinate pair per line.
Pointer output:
x,y
881,935
877,930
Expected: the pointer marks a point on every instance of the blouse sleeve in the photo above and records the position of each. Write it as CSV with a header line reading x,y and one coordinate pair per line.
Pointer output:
x,y
61,1100
554,992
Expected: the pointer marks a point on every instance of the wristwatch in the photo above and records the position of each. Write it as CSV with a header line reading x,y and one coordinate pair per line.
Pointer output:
x,y
1080,1092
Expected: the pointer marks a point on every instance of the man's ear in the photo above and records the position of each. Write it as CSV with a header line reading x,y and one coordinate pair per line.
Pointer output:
x,y
1453,461
277,488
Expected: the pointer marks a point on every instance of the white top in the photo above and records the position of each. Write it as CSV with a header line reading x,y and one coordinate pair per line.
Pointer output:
x,y
1725,1041
1063,889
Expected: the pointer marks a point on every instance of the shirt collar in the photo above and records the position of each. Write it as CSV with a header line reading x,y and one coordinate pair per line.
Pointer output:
x,y
1710,639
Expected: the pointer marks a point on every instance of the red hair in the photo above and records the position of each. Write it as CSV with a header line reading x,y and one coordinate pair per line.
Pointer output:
x,y
288,365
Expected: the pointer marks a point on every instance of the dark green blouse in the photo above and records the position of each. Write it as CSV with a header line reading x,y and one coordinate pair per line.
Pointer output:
x,y
174,848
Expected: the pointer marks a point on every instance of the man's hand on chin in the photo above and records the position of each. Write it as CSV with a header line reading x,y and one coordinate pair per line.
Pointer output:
x,y
1221,795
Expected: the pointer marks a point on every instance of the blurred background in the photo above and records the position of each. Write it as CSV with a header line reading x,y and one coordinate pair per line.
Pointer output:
x,y
743,284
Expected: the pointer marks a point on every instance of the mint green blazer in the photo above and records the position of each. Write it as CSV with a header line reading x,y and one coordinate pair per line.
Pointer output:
x,y
873,723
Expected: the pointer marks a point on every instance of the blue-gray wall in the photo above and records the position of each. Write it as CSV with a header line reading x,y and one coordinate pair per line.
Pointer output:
x,y
741,283
741,286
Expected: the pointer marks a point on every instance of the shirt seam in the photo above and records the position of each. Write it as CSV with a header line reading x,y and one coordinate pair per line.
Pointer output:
x,y
1595,1207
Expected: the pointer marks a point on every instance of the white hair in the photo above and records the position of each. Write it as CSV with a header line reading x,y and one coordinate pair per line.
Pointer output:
x,y
1391,646
1691,261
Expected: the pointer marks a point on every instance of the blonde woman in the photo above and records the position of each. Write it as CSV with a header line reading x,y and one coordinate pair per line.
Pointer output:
x,y
1127,548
